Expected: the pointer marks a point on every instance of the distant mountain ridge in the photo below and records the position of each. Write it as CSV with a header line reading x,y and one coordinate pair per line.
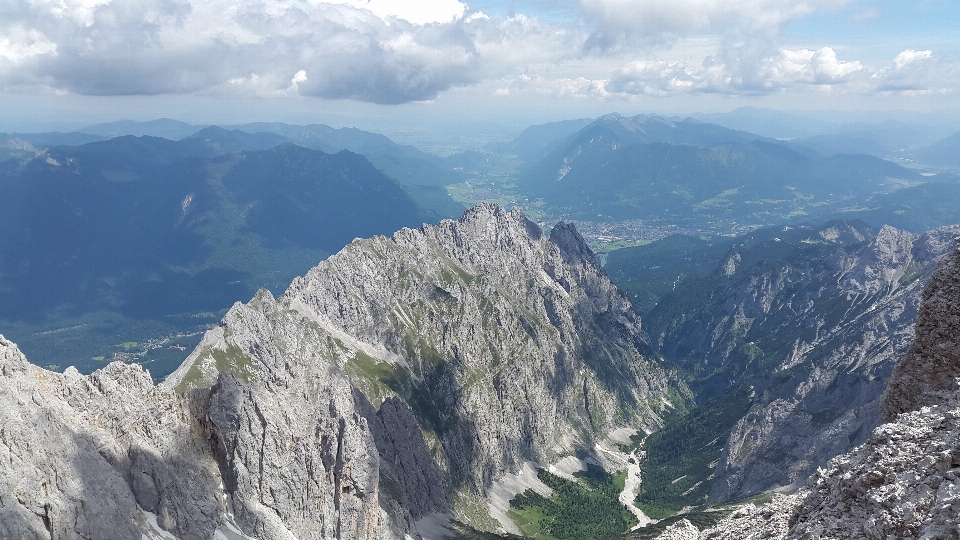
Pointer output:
x,y
162,127
405,163
885,139
151,227
535,142
650,167
943,152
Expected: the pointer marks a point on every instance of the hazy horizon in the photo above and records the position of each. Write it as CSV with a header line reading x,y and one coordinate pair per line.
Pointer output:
x,y
381,65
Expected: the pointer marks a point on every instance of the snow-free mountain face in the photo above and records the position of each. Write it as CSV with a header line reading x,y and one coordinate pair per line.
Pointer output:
x,y
904,481
396,381
788,335
652,168
945,152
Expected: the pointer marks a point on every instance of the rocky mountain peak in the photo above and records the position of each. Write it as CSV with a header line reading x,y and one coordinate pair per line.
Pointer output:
x,y
571,243
396,380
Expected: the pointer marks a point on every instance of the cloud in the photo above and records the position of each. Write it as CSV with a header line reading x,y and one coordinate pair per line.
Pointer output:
x,y
820,67
658,78
917,73
787,69
798,71
380,51
620,22
910,56
556,87
390,51
21,44
417,12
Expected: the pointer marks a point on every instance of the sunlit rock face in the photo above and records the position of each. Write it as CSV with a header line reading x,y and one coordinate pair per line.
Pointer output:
x,y
397,379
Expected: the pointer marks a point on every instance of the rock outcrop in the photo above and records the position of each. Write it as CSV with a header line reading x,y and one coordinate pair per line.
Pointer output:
x,y
396,380
83,454
926,375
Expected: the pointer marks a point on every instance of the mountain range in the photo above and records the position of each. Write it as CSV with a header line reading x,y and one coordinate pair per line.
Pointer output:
x,y
388,390
151,228
903,481
687,172
477,378
789,334
462,378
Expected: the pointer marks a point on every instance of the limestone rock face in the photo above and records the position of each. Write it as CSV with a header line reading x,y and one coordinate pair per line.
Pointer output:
x,y
769,521
506,345
859,308
394,381
927,374
904,481
81,453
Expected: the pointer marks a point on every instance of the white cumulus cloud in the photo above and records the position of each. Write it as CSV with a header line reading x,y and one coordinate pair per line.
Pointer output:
x,y
393,51
910,56
381,51
820,67
20,44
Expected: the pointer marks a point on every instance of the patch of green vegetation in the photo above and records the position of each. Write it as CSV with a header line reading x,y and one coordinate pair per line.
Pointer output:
x,y
191,379
576,510
377,379
478,523
655,511
911,273
462,274
681,456
129,345
234,361
476,191
528,521
751,351
602,248
431,355
100,358
649,272
620,480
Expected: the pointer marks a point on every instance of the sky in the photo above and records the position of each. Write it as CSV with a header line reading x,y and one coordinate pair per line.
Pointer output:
x,y
67,63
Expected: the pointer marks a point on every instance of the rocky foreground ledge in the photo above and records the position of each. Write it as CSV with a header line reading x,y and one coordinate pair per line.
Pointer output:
x,y
904,482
